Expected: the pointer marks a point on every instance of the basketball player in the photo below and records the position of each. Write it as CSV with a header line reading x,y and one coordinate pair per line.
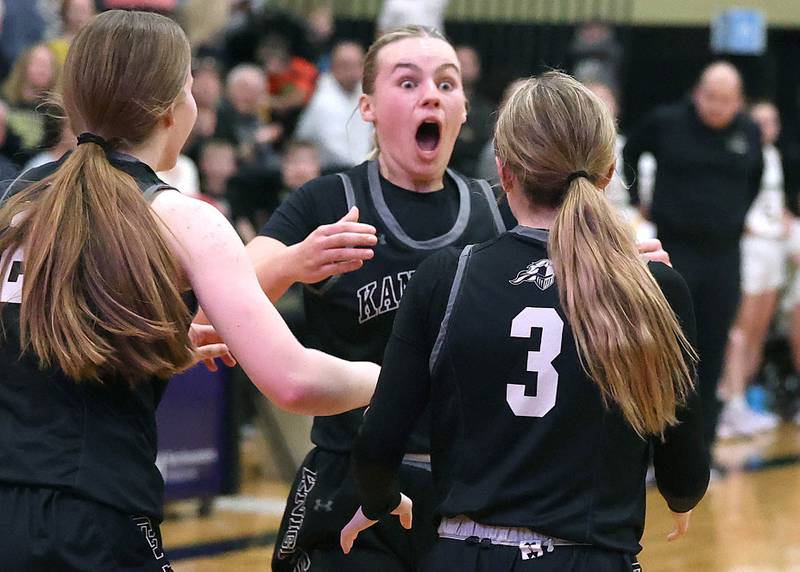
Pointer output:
x,y
553,361
410,206
100,271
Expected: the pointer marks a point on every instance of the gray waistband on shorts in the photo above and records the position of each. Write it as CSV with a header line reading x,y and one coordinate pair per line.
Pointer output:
x,y
463,528
418,460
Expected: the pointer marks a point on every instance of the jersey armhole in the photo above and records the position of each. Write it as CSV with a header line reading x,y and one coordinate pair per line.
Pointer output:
x,y
350,197
463,260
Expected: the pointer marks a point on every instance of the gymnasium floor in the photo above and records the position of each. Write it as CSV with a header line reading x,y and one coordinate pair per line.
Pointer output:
x,y
749,521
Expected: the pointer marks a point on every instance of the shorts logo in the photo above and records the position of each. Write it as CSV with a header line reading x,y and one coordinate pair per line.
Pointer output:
x,y
149,533
326,506
308,479
540,273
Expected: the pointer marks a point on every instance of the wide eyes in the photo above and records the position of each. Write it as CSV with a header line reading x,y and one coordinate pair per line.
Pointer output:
x,y
445,85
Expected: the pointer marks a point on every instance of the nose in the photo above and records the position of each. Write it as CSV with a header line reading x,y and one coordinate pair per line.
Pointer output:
x,y
430,95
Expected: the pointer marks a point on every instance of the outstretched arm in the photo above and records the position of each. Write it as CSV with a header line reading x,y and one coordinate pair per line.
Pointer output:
x,y
220,272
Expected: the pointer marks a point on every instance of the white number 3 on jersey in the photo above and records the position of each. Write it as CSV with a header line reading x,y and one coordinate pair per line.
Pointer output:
x,y
540,362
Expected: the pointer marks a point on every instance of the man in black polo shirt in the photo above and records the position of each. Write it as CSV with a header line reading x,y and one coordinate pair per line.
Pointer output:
x,y
709,168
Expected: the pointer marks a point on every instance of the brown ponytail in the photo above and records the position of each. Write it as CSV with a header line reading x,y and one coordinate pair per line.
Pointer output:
x,y
628,337
101,293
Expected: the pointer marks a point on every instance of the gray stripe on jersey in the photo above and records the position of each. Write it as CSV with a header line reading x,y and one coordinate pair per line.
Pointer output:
x,y
451,301
391,223
349,194
492,200
350,197
537,233
151,191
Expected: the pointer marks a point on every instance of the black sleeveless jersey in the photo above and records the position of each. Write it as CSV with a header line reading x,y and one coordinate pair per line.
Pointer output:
x,y
351,315
93,440
520,435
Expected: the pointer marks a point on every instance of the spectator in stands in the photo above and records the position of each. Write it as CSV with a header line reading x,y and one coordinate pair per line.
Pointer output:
x,y
709,166
331,119
207,93
400,13
320,26
242,117
10,143
58,138
217,166
7,168
75,14
290,80
478,129
23,26
33,77
254,193
596,53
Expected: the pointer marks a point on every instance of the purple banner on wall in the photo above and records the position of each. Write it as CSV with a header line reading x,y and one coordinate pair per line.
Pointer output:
x,y
191,432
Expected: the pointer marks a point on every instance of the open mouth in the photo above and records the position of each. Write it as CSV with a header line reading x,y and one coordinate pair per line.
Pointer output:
x,y
428,135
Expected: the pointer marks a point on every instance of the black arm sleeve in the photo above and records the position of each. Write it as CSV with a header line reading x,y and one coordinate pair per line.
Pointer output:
x,y
403,389
681,461
644,137
321,201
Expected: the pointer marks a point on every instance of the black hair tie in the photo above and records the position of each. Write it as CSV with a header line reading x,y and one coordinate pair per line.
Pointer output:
x,y
87,137
578,175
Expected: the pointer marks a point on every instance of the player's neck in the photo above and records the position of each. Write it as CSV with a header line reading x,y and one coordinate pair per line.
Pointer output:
x,y
537,218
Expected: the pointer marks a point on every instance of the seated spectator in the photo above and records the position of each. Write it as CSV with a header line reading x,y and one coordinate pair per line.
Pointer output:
x,y
217,166
23,26
8,170
242,117
34,75
255,193
58,138
478,129
207,93
290,80
75,14
10,143
331,119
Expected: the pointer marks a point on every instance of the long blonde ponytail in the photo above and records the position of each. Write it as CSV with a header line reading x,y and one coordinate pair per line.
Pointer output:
x,y
628,337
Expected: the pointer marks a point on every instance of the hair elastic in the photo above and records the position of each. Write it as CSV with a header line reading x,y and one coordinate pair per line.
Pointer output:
x,y
87,137
578,175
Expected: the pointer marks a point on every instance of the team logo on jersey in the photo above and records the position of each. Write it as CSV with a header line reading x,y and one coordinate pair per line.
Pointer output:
x,y
540,273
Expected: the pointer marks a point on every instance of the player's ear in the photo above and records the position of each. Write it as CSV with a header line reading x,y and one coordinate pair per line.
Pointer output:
x,y
366,109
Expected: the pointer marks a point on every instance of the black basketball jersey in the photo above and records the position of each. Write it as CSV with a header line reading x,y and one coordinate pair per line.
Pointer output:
x,y
351,315
93,440
520,435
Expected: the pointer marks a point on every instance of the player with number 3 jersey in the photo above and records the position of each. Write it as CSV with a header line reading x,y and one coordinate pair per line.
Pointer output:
x,y
553,361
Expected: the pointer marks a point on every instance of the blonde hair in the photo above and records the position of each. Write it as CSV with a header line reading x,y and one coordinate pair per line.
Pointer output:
x,y
628,337
371,62
102,292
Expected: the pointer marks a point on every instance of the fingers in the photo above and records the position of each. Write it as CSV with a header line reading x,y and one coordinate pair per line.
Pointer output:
x,y
228,359
350,531
351,216
349,236
347,538
404,510
346,255
210,364
405,519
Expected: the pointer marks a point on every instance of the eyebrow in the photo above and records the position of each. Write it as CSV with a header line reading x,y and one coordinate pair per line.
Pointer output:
x,y
416,68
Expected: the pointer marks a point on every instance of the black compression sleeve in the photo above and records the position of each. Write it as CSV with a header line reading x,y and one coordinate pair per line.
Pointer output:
x,y
681,461
403,388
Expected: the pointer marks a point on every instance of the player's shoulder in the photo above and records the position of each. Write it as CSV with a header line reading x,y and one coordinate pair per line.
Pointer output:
x,y
670,281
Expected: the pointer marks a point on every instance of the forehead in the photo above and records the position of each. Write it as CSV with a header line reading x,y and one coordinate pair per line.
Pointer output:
x,y
765,111
427,53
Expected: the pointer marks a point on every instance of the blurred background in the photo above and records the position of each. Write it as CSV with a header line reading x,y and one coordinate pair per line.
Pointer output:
x,y
277,85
